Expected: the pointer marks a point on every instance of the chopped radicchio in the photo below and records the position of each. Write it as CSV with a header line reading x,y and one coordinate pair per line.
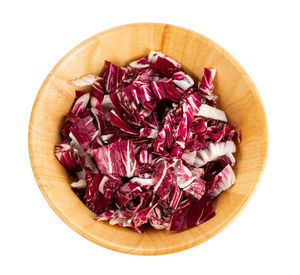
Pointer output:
x,y
147,146
84,132
163,179
112,77
117,158
162,63
148,133
182,80
109,184
93,198
191,212
131,189
80,104
116,121
226,178
97,96
192,185
140,63
214,151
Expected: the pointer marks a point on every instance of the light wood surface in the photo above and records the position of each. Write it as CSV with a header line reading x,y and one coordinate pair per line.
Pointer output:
x,y
237,96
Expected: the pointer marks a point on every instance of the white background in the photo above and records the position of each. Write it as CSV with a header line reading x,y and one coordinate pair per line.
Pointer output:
x,y
262,35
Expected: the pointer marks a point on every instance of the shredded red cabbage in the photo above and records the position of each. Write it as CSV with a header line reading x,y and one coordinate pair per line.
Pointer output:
x,y
147,145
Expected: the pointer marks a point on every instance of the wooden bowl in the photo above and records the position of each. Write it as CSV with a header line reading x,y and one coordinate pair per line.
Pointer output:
x,y
237,96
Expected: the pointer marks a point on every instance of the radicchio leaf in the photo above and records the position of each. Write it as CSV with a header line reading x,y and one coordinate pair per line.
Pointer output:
x,y
148,133
213,152
164,138
131,190
189,183
65,154
117,158
206,85
182,80
113,76
163,179
226,180
191,212
158,220
165,65
116,121
184,126
84,132
142,216
93,198
109,184
140,63
81,103
96,105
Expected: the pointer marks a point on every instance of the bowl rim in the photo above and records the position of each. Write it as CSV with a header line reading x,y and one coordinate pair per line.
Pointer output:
x,y
103,242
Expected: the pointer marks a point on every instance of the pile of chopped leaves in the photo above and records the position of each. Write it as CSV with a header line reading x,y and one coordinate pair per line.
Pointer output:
x,y
147,146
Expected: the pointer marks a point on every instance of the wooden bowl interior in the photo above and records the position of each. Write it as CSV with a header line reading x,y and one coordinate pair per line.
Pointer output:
x,y
237,96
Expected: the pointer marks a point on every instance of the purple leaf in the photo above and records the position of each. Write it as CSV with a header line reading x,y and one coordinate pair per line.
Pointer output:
x,y
158,90
220,135
158,219
70,119
206,86
184,126
148,133
189,183
163,179
175,196
113,76
84,132
65,154
191,212
182,80
93,198
164,138
226,180
165,65
109,184
96,107
195,144
173,92
140,63
176,151
116,121
142,216
144,156
81,103
117,158
131,190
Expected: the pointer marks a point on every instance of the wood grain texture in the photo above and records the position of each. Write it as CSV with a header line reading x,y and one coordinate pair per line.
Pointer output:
x,y
237,96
